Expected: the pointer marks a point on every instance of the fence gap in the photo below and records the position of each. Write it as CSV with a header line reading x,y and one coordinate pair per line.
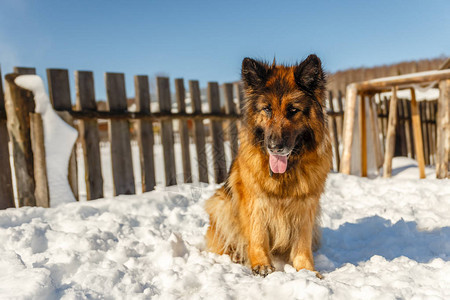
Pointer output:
x,y
89,135
119,135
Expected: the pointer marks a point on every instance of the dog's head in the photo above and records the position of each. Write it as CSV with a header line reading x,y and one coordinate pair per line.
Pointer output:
x,y
284,110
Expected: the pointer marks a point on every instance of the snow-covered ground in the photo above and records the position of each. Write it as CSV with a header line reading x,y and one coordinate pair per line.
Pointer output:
x,y
382,239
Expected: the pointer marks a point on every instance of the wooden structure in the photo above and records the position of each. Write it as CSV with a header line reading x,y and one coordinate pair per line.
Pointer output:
x,y
372,87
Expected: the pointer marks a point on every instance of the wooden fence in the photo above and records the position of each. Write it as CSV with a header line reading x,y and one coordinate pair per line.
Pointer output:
x,y
29,153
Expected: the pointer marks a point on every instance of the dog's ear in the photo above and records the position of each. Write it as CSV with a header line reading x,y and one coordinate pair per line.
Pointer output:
x,y
309,75
254,73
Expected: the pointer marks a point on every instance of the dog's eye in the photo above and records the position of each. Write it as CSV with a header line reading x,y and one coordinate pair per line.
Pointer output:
x,y
292,111
267,110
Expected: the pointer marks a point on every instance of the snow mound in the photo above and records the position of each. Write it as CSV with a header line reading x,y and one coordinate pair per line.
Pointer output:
x,y
382,239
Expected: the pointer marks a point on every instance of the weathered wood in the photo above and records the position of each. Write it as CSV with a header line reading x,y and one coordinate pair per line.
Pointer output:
x,y
443,131
154,117
6,187
19,103
363,134
119,135
165,105
423,120
333,131
220,171
340,119
400,141
375,133
230,108
199,132
349,120
145,134
89,136
59,92
417,131
431,143
180,94
41,191
390,137
407,125
24,70
386,82
239,92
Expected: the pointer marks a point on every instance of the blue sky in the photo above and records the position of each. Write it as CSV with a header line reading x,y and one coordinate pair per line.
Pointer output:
x,y
207,40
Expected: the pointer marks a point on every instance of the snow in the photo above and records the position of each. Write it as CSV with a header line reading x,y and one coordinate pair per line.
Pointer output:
x,y
59,139
382,239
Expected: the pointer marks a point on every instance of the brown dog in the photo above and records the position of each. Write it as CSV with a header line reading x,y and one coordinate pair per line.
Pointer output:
x,y
269,204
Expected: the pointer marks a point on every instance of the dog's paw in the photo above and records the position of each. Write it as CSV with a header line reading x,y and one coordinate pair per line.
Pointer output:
x,y
262,270
318,275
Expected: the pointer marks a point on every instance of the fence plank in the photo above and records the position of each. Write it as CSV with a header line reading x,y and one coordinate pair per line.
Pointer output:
x,y
119,135
333,131
6,187
165,105
363,133
145,133
239,92
40,167
429,118
183,130
19,103
89,136
375,133
230,108
199,132
423,121
59,92
390,136
347,131
218,150
24,70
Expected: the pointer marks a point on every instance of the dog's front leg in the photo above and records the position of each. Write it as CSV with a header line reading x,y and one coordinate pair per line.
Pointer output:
x,y
301,253
258,247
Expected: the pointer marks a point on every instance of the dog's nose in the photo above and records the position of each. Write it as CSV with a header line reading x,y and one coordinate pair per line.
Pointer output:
x,y
275,146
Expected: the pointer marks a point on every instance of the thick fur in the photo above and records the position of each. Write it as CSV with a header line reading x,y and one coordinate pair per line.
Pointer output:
x,y
257,215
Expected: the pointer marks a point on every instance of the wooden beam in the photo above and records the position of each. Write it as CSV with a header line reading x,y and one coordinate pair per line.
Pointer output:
x,y
230,108
390,137
199,131
417,131
40,167
220,172
6,187
349,123
363,134
443,131
19,103
119,135
165,105
333,131
89,135
145,135
180,95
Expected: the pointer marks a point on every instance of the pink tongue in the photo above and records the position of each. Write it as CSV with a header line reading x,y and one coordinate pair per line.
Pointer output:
x,y
278,163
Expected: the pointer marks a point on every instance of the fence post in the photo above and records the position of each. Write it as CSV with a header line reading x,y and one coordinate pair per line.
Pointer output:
x,y
6,188
417,131
443,130
347,132
390,137
119,135
59,92
218,150
334,133
230,108
183,130
39,163
145,133
19,103
199,132
89,137
165,105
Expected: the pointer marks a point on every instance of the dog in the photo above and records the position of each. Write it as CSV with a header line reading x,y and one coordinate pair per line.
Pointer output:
x,y
269,205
